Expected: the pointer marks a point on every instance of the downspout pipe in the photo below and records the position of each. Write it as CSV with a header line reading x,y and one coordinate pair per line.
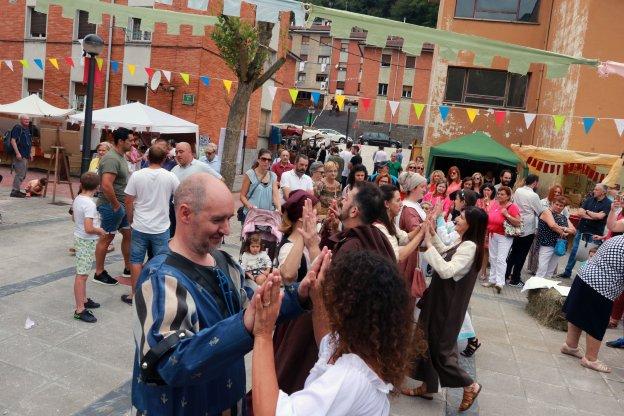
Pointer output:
x,y
108,57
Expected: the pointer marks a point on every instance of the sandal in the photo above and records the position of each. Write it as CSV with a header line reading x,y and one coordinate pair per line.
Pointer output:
x,y
469,398
613,323
574,352
471,348
595,365
420,391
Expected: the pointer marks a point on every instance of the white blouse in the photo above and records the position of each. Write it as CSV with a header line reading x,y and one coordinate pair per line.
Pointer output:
x,y
460,263
347,387
401,238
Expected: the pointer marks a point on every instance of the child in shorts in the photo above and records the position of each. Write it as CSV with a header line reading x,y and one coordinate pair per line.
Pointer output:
x,y
255,262
36,187
86,234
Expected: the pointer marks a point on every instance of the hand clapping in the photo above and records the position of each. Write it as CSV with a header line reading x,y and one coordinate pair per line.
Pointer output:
x,y
265,305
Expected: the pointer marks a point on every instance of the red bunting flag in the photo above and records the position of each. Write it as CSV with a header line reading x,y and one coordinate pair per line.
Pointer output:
x,y
99,74
499,116
69,61
602,176
539,166
529,160
366,103
552,168
566,169
546,167
559,169
534,163
150,71
595,176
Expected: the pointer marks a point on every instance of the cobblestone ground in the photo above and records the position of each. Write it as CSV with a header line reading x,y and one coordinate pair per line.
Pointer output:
x,y
64,367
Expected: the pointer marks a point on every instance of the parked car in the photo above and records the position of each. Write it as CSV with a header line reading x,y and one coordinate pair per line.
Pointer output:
x,y
378,139
333,135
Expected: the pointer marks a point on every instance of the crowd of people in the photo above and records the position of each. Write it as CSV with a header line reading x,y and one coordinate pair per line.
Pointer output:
x,y
369,284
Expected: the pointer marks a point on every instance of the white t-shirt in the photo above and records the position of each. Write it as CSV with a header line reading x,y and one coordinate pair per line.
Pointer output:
x,y
195,166
152,189
347,387
84,207
293,182
380,156
346,155
255,263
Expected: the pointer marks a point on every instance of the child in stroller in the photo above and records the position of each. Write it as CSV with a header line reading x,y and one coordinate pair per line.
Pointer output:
x,y
255,261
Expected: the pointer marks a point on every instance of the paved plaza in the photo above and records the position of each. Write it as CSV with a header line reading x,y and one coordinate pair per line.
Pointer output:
x,y
66,367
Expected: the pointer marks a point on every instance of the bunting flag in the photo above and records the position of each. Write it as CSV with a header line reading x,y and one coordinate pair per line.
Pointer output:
x,y
272,91
315,97
293,94
394,105
366,103
100,63
38,62
54,62
24,63
69,61
205,80
227,84
472,113
198,5
559,120
302,66
131,69
167,75
418,109
9,63
185,77
340,99
444,111
114,66
619,125
149,71
499,117
528,119
588,123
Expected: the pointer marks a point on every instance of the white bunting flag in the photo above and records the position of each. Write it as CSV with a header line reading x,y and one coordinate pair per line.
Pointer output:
x,y
393,106
198,5
9,63
167,75
528,119
272,91
619,124
302,66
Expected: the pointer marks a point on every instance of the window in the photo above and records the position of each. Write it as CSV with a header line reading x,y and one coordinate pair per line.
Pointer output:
x,y
323,59
505,10
34,86
80,96
344,46
407,91
410,62
321,77
304,57
135,94
36,23
301,77
305,40
382,89
326,41
486,87
386,59
340,85
134,32
84,27
304,96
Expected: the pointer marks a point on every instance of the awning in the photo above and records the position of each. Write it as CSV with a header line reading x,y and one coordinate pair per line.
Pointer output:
x,y
34,106
478,147
616,175
564,156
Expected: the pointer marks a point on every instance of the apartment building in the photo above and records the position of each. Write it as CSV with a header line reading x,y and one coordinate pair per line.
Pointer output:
x,y
356,70
572,27
28,34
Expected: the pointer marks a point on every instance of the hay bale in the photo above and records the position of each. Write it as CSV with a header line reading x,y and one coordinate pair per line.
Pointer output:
x,y
545,306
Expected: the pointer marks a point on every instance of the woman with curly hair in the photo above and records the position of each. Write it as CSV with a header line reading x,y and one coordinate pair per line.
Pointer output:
x,y
328,189
357,174
363,328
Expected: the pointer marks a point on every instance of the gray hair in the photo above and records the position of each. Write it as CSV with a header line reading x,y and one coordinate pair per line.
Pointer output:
x,y
21,116
316,166
192,192
604,187
211,146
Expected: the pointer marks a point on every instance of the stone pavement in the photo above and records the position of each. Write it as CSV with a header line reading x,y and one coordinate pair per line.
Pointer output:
x,y
64,367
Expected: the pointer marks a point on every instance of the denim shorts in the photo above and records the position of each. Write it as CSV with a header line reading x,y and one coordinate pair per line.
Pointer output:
x,y
112,221
159,244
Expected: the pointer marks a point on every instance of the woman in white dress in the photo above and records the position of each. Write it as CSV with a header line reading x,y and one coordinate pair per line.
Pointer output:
x,y
363,327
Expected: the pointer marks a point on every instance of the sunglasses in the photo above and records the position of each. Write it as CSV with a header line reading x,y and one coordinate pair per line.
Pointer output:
x,y
265,159
411,167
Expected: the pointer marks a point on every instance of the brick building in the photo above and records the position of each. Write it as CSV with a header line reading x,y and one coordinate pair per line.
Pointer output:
x,y
27,34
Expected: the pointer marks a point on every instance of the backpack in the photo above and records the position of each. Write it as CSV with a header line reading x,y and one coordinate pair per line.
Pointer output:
x,y
8,149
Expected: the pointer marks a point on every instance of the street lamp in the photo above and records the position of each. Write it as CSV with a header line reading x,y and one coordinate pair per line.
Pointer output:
x,y
310,115
92,45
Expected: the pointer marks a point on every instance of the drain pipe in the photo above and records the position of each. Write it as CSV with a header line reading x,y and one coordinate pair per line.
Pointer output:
x,y
108,57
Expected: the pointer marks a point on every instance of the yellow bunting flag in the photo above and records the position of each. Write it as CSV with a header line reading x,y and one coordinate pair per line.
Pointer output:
x,y
227,84
54,62
131,68
472,113
24,63
100,63
418,109
185,77
293,94
340,99
559,120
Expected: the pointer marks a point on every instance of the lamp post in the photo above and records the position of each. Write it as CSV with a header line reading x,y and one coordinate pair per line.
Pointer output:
x,y
92,45
348,121
310,115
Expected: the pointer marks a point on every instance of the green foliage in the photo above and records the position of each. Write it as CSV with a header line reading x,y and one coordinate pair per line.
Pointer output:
x,y
418,12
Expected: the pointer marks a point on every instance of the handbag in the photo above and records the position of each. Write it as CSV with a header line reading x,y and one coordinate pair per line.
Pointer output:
x,y
561,246
511,231
418,284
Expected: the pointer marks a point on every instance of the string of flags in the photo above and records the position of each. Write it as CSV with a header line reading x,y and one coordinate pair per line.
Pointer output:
x,y
568,168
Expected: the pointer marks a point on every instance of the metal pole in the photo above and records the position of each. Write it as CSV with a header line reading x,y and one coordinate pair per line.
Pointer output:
x,y
348,122
86,134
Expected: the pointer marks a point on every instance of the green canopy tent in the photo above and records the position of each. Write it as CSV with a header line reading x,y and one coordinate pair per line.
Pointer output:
x,y
477,147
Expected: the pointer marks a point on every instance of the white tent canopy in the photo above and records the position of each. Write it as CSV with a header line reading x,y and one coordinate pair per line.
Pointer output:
x,y
139,117
34,106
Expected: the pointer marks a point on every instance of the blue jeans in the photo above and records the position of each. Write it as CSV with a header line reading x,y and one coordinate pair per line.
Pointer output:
x,y
112,221
575,245
159,244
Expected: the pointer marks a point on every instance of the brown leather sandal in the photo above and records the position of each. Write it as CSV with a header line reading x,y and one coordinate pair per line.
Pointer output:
x,y
420,391
469,398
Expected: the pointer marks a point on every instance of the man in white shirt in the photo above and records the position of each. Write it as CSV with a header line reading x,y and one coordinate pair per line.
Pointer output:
x,y
188,165
148,193
210,157
379,157
346,156
297,178
530,208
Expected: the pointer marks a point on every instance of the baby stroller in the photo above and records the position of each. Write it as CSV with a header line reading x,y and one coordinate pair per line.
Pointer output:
x,y
266,223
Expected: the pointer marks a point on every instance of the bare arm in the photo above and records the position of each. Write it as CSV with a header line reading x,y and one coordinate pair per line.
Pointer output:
x,y
107,189
406,250
14,145
277,202
290,266
612,222
129,208
286,192
90,229
243,192
548,218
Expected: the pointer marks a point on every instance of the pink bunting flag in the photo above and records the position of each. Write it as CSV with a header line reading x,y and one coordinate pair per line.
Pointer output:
x,y
499,117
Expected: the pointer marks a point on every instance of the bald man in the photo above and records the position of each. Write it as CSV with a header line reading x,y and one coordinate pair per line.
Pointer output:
x,y
188,165
191,327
